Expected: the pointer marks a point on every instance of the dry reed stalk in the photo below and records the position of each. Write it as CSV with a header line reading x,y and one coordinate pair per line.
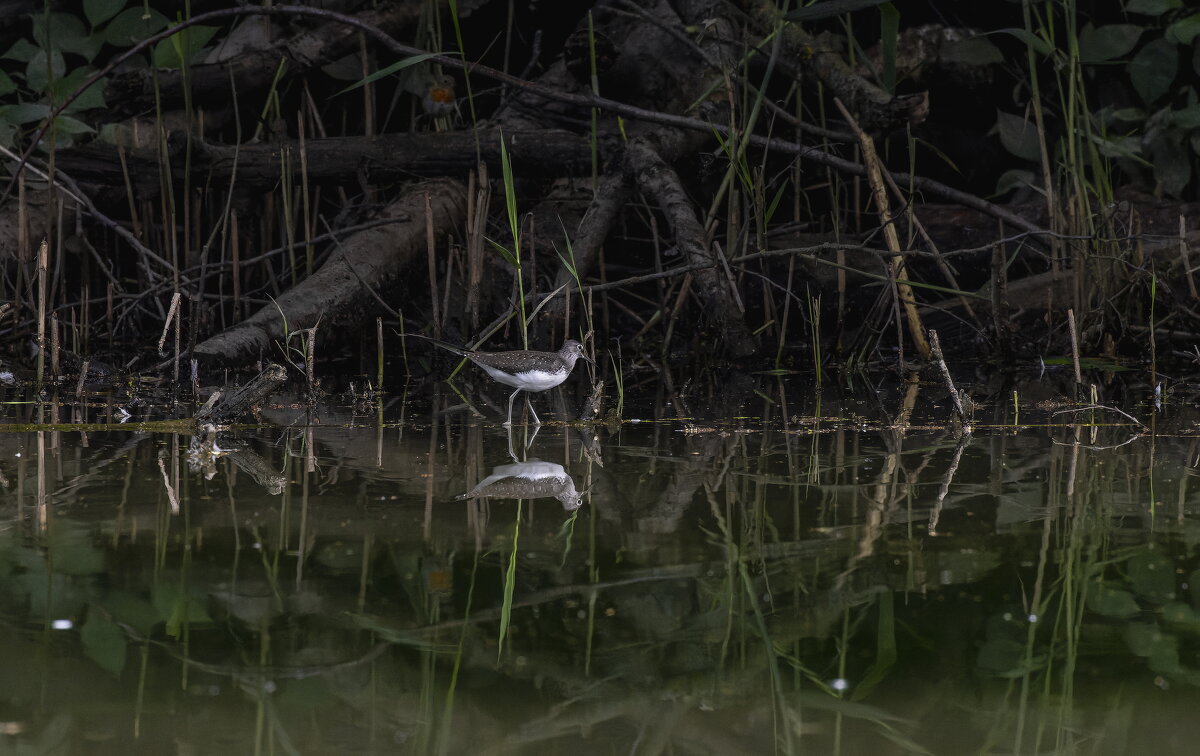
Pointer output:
x,y
531,235
451,257
108,313
178,342
899,270
787,309
916,224
55,347
478,203
1000,311
1074,344
379,352
82,375
1183,255
310,360
235,253
431,255
684,289
305,200
603,294
162,340
42,265
369,89
22,219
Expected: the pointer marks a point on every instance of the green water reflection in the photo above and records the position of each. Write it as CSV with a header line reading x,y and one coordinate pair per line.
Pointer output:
x,y
783,584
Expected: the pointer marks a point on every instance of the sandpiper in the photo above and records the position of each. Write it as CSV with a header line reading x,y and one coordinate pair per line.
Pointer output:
x,y
522,369
532,479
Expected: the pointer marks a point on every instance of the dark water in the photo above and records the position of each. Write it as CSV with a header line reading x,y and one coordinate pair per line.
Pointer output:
x,y
801,579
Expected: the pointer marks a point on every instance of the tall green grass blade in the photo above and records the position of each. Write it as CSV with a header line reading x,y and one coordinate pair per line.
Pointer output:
x,y
885,648
510,582
889,32
389,70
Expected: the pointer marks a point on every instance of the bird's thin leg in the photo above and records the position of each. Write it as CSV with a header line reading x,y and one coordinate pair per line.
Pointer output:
x,y
529,404
511,453
510,401
529,441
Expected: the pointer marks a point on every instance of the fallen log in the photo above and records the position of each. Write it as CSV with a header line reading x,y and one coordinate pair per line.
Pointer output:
x,y
659,182
255,69
333,297
390,157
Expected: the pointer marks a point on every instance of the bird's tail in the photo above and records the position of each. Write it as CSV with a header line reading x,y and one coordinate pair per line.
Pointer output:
x,y
444,345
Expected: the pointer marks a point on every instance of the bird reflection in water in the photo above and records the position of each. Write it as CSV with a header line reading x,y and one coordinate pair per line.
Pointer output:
x,y
533,479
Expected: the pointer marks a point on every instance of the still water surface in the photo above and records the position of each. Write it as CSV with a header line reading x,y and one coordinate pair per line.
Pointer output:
x,y
403,579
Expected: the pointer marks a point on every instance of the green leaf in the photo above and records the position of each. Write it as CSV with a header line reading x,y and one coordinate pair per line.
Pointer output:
x,y
90,98
1172,171
1186,118
1001,657
22,50
1184,30
103,641
70,549
1128,115
26,112
71,126
510,200
1014,178
99,11
975,51
182,47
1112,602
1153,69
1107,42
1152,575
1152,7
389,70
505,253
67,35
815,11
51,594
7,85
1121,147
1147,640
65,31
773,205
131,27
177,608
132,610
1180,616
38,73
1039,45
1018,135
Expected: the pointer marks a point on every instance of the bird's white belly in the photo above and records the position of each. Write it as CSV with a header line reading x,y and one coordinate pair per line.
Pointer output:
x,y
530,381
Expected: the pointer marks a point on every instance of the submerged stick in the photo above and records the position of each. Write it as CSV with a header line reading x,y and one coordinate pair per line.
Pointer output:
x,y
936,346
241,399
